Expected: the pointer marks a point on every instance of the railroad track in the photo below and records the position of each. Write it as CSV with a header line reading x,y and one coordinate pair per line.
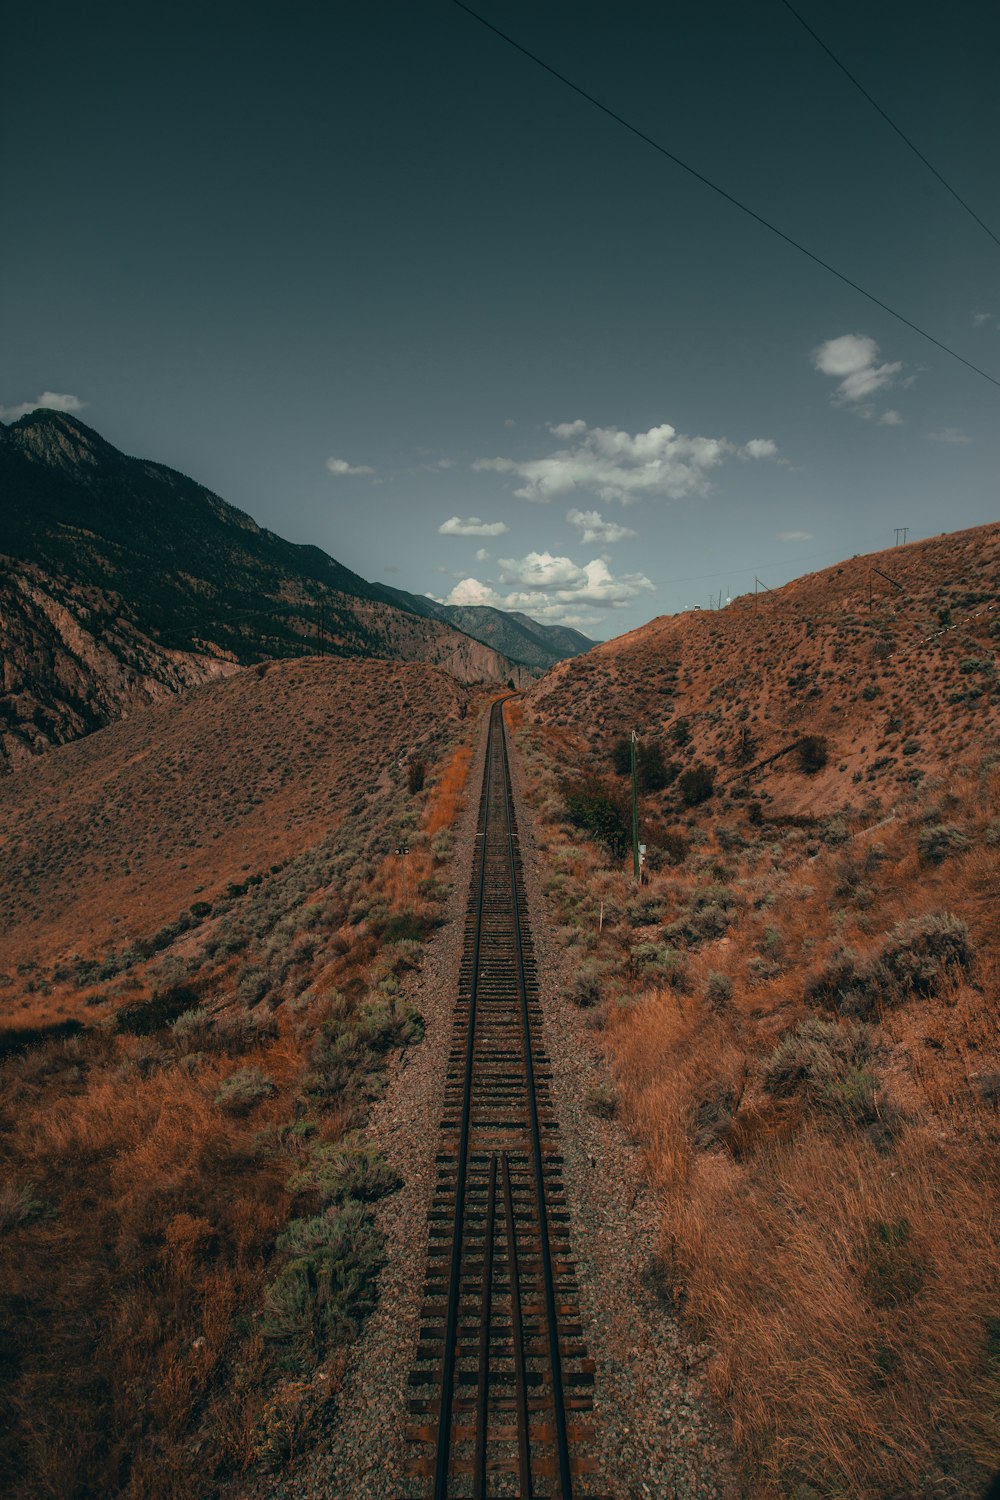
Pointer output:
x,y
501,1379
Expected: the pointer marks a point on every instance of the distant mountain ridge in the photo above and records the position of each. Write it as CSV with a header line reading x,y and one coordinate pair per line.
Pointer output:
x,y
515,635
123,581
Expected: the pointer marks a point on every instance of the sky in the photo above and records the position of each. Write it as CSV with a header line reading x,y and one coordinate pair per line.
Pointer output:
x,y
379,280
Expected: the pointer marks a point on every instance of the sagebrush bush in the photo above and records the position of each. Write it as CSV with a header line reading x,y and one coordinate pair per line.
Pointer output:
x,y
913,960
326,1289
939,841
825,1064
348,1169
243,1090
718,989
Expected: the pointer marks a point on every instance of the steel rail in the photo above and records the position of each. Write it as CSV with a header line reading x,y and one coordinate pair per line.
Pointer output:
x,y
454,1290
485,1314
555,1359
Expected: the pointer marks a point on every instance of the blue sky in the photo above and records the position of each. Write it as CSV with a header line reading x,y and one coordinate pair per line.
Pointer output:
x,y
368,274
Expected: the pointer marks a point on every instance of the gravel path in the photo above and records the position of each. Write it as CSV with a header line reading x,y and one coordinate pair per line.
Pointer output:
x,y
654,1425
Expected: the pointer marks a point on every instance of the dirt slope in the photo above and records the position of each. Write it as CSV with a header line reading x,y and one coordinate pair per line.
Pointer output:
x,y
105,840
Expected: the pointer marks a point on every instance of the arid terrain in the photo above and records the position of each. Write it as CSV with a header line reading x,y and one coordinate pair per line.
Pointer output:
x,y
801,1001
207,955
205,925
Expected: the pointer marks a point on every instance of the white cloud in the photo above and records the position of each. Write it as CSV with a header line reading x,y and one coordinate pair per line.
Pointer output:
x,y
851,360
891,418
593,527
340,466
795,536
554,589
49,400
471,591
759,448
949,435
618,465
482,554
978,319
455,526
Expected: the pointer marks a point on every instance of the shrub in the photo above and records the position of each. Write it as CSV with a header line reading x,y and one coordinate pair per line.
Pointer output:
x,y
407,927
824,1063
914,959
346,1170
696,785
327,1288
143,1017
602,1101
811,753
416,776
652,774
718,989
243,1090
621,756
938,842
588,807
680,732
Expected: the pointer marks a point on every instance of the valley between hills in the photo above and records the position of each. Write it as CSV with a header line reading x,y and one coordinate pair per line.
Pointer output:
x,y
227,1000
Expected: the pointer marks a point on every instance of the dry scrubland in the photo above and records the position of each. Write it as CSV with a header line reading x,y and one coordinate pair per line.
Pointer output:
x,y
801,1003
186,1245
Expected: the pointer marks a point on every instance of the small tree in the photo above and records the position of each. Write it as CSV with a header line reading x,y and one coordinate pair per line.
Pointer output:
x,y
811,753
652,774
696,785
417,775
621,756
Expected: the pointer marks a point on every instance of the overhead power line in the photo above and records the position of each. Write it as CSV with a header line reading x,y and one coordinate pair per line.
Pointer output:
x,y
888,120
700,177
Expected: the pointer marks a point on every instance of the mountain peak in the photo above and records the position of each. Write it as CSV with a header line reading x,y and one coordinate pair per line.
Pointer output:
x,y
58,438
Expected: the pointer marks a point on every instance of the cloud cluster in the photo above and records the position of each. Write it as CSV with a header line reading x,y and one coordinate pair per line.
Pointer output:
x,y
50,400
340,466
950,435
852,361
455,526
617,465
594,528
795,536
553,589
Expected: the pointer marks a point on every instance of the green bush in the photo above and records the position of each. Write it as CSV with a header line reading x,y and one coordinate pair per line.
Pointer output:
x,y
589,807
348,1169
322,1295
243,1090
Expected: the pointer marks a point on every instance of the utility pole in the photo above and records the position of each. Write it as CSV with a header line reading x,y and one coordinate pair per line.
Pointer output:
x,y
901,532
403,851
635,814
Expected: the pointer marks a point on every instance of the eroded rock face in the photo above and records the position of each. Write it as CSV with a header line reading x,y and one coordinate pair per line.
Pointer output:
x,y
123,582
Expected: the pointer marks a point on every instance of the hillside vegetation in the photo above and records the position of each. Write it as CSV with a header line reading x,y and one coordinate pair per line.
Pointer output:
x,y
202,1001
801,1002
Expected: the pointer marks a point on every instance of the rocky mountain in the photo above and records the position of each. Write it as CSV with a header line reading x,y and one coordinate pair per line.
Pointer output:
x,y
515,635
123,581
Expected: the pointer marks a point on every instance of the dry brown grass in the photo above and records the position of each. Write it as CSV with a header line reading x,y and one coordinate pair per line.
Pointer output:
x,y
142,1203
835,1242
